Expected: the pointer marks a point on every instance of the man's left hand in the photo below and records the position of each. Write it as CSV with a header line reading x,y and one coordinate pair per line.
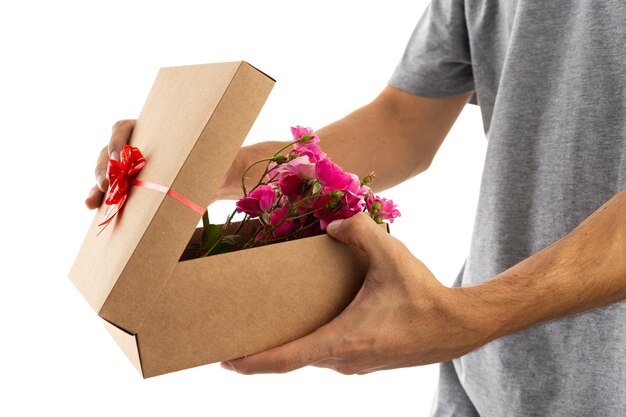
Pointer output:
x,y
402,316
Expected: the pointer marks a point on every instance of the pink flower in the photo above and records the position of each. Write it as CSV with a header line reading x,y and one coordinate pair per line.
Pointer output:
x,y
381,209
290,185
355,196
301,167
329,216
298,132
334,178
309,147
260,200
283,229
331,175
311,150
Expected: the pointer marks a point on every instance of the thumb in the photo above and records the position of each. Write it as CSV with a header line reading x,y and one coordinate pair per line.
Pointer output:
x,y
363,232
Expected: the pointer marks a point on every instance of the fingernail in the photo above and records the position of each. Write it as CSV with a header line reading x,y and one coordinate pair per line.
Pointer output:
x,y
332,226
227,365
115,155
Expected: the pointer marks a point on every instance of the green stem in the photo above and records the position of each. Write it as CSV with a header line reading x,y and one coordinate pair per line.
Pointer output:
x,y
205,225
268,232
299,202
300,231
241,224
283,148
228,220
243,176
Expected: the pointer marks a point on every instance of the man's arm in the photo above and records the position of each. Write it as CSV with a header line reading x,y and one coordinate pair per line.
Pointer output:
x,y
584,270
396,136
403,316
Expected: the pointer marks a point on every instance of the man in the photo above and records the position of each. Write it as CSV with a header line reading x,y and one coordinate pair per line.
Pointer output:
x,y
550,233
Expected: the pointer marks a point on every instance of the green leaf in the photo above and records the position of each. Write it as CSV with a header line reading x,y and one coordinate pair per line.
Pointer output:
x,y
205,218
227,244
211,236
233,239
317,187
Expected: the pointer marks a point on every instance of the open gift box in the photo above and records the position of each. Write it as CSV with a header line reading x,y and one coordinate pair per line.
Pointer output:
x,y
167,314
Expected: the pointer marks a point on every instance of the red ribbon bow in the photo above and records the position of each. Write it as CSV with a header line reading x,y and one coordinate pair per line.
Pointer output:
x,y
121,175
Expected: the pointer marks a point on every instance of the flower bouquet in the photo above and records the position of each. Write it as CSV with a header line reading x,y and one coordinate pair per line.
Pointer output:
x,y
296,196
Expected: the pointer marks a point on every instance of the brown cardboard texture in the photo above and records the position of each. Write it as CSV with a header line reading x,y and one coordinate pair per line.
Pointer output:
x,y
168,314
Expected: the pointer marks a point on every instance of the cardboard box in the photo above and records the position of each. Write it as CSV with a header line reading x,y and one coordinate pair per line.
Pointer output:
x,y
168,314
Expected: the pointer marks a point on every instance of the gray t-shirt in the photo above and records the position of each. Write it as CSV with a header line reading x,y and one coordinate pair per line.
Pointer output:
x,y
550,79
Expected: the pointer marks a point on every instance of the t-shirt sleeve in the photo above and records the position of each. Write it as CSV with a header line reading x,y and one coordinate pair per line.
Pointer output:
x,y
437,59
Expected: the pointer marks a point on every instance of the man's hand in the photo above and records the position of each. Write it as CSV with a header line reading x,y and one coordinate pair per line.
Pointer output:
x,y
230,189
119,137
402,316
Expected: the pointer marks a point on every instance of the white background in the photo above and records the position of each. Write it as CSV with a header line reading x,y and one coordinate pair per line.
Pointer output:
x,y
70,69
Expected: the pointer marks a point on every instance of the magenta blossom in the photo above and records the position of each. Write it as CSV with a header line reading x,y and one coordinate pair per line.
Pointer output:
x,y
282,227
309,147
310,150
260,200
277,228
291,185
328,216
299,132
381,209
301,167
331,175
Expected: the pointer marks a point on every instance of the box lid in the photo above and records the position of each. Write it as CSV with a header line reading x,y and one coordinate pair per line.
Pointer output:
x,y
189,131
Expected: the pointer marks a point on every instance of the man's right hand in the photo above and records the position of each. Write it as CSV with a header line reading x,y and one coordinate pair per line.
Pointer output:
x,y
120,136
230,189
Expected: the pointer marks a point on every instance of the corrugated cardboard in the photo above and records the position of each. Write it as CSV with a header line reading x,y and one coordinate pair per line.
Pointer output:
x,y
168,314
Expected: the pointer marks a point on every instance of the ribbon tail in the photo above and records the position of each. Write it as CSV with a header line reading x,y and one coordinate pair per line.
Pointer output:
x,y
108,216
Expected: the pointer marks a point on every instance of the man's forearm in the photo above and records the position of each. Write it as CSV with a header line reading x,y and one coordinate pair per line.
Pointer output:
x,y
584,270
396,136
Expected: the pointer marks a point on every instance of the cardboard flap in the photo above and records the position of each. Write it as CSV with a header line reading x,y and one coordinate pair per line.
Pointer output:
x,y
127,342
190,129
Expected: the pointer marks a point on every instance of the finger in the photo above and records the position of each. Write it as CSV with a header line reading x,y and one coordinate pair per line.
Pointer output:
x,y
307,350
101,169
120,136
94,198
362,232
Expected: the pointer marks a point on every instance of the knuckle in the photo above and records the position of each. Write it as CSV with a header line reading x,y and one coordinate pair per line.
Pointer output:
x,y
357,223
282,366
122,123
349,348
362,218
103,156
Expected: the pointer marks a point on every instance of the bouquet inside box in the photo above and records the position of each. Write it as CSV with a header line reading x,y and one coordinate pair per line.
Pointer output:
x,y
296,196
